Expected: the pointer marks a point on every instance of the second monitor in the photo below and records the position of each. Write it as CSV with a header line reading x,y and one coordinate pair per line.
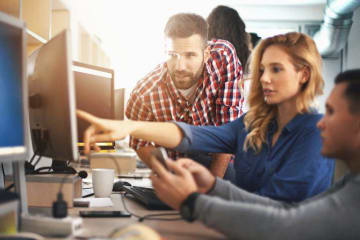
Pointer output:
x,y
94,87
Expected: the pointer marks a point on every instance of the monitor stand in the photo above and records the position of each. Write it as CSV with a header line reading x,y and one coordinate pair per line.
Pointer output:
x,y
57,166
29,168
62,167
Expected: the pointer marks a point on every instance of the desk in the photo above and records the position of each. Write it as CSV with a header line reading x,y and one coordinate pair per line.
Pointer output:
x,y
180,229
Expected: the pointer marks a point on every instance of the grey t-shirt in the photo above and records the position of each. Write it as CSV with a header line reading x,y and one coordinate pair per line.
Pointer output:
x,y
334,214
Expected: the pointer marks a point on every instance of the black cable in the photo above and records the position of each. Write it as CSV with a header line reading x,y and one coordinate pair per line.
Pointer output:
x,y
9,187
3,170
43,168
59,208
151,216
38,160
33,157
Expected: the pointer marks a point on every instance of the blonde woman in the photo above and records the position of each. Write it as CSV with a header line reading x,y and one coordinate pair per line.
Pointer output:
x,y
276,144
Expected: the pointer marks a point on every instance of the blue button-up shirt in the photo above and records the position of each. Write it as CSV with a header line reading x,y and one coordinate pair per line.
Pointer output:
x,y
291,170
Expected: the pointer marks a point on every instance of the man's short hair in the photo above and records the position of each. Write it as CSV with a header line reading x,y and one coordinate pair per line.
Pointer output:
x,y
184,25
352,91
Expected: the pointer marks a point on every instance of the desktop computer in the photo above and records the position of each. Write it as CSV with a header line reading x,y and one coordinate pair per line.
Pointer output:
x,y
53,122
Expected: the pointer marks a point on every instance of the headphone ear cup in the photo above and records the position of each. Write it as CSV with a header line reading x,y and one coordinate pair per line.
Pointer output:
x,y
59,208
83,174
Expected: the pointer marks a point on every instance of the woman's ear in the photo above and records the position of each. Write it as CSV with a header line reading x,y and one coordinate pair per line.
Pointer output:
x,y
305,75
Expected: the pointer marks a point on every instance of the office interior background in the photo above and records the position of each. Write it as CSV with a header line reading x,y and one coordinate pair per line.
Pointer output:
x,y
127,36
131,32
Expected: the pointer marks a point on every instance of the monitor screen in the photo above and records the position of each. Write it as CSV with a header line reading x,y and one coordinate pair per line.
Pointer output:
x,y
94,87
13,95
52,100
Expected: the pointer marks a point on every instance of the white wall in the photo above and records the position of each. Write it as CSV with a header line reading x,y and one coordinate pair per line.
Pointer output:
x,y
353,49
350,59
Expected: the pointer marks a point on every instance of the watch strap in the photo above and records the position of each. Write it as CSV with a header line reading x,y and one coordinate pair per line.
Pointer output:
x,y
188,206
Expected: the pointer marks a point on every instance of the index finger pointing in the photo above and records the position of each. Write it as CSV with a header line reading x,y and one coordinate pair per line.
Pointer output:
x,y
88,117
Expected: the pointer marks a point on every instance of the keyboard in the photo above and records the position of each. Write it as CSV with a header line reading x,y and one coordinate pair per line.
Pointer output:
x,y
147,197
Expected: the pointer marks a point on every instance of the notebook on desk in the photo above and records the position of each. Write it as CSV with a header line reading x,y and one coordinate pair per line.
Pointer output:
x,y
146,197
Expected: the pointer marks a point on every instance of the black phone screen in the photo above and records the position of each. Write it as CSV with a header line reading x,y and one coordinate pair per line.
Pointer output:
x,y
104,214
161,155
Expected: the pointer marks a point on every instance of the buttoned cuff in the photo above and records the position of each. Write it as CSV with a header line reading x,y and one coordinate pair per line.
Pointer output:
x,y
186,140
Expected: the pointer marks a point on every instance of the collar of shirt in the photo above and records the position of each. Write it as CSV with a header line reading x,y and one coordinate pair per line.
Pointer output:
x,y
290,126
297,120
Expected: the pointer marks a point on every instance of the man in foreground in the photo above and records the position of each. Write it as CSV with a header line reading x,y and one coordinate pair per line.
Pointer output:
x,y
238,214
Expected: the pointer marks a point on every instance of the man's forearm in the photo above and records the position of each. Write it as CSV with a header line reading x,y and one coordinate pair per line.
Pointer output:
x,y
219,164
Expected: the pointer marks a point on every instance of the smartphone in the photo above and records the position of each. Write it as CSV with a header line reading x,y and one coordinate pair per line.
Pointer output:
x,y
161,155
104,214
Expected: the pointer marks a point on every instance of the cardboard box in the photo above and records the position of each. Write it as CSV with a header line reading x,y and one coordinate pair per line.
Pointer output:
x,y
122,162
42,189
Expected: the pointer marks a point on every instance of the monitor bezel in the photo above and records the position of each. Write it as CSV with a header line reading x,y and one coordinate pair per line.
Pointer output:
x,y
10,154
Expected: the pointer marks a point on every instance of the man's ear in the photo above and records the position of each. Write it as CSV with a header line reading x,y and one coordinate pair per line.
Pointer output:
x,y
357,124
357,129
207,53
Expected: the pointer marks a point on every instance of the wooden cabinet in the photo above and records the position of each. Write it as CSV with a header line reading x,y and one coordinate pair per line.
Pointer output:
x,y
46,18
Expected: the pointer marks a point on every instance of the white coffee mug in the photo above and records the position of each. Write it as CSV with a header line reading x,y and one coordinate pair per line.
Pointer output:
x,y
103,180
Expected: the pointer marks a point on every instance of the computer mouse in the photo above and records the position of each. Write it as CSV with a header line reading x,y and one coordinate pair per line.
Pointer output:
x,y
118,186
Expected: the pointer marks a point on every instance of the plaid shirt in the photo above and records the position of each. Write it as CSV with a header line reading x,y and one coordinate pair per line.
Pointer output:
x,y
217,101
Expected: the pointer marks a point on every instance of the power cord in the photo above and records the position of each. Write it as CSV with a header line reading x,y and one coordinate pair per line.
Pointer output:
x,y
3,172
59,207
151,216
33,157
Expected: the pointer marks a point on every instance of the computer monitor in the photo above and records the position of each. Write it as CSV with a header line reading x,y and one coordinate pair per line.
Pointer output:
x,y
119,103
13,90
52,102
94,87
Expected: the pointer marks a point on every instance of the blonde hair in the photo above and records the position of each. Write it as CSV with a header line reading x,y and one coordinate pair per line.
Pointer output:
x,y
303,54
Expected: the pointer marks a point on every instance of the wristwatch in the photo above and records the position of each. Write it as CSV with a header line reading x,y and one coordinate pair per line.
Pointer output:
x,y
187,207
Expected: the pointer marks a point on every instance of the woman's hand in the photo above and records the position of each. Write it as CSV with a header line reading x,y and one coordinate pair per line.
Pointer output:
x,y
103,130
172,186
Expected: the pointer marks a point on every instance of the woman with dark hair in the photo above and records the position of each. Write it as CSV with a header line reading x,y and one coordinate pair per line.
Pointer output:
x,y
225,23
